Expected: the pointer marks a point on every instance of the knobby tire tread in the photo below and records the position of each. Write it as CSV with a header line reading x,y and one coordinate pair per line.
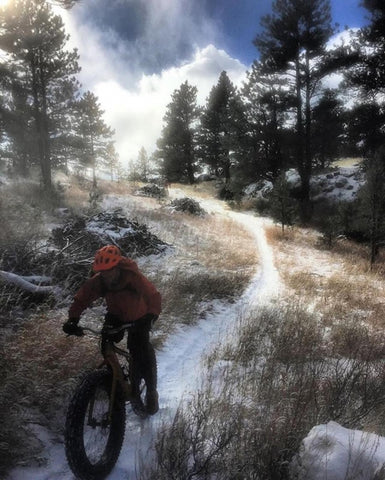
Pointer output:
x,y
75,452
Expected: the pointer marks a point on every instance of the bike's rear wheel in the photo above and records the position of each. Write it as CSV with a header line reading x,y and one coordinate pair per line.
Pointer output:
x,y
92,440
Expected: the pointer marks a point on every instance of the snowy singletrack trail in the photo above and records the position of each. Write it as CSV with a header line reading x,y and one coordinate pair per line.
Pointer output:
x,y
180,370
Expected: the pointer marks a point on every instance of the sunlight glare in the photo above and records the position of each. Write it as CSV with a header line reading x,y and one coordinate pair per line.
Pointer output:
x,y
3,3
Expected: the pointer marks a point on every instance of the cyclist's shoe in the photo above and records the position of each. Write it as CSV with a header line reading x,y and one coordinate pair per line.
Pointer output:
x,y
138,407
152,402
71,327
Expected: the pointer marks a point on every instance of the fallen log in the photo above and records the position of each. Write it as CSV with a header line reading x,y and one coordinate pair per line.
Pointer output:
x,y
26,285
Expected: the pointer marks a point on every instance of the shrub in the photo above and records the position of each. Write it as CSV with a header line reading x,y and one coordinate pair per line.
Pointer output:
x,y
272,385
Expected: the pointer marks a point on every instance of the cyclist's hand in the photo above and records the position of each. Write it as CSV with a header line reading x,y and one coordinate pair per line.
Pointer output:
x,y
114,337
150,318
71,327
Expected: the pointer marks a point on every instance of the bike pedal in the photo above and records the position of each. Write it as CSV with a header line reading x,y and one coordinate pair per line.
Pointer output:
x,y
138,408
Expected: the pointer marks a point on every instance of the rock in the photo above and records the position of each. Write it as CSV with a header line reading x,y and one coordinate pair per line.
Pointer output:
x,y
341,182
205,177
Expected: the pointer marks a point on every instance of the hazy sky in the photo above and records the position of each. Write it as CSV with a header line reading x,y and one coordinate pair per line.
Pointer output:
x,y
135,53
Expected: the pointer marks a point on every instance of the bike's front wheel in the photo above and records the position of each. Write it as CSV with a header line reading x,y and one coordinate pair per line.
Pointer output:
x,y
93,436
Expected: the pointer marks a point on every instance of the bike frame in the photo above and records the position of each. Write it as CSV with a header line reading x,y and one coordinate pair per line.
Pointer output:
x,y
110,354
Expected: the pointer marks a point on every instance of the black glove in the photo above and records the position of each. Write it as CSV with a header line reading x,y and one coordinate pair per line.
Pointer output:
x,y
114,337
150,318
71,327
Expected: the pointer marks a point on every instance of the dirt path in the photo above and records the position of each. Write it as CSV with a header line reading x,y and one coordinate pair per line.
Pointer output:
x,y
179,365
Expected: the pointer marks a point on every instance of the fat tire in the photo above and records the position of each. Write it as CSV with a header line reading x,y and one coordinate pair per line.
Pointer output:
x,y
74,441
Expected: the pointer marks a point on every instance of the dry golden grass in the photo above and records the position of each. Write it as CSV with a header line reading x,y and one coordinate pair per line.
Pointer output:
x,y
278,377
347,162
118,188
39,368
338,282
212,258
314,356
203,190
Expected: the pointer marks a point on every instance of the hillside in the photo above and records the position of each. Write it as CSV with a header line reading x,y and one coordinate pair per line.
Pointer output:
x,y
301,336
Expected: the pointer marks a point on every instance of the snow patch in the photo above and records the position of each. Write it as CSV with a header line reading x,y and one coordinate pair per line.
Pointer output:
x,y
333,452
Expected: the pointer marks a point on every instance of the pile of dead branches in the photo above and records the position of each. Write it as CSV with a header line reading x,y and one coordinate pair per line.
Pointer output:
x,y
66,260
79,238
187,205
152,190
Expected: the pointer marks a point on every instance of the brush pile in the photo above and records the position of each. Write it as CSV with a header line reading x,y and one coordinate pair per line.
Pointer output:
x,y
187,205
65,261
152,190
78,239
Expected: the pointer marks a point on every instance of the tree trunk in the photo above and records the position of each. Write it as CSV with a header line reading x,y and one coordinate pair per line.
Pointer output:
x,y
302,151
374,228
45,165
190,172
226,169
47,178
189,161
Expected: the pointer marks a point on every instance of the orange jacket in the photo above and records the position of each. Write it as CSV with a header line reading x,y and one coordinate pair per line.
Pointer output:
x,y
133,296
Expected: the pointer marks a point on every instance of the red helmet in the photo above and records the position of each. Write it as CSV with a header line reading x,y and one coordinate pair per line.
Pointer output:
x,y
106,258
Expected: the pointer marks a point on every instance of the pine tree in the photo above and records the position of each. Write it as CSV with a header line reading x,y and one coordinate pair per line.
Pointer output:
x,y
143,164
111,161
35,41
366,120
93,134
373,203
222,127
20,145
282,207
327,127
177,145
369,72
267,102
365,128
293,42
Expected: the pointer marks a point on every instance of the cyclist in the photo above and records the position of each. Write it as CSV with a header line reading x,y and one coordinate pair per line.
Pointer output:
x,y
129,297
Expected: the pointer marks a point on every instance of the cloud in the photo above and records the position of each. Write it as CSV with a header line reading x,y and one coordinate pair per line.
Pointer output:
x,y
136,112
150,35
135,102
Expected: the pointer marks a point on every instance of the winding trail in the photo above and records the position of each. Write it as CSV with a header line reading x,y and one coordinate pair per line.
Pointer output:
x,y
179,362
179,365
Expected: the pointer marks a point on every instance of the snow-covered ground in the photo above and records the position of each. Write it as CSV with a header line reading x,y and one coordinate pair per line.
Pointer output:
x,y
340,184
329,452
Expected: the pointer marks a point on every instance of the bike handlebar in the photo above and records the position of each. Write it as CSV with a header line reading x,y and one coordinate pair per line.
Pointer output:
x,y
110,329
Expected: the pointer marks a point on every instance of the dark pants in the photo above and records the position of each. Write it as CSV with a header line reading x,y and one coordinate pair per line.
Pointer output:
x,y
143,360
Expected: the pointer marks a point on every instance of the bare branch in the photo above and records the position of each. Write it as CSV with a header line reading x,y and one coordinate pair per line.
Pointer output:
x,y
25,284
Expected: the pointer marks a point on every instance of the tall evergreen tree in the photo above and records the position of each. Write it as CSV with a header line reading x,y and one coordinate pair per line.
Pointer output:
x,y
143,164
35,41
93,133
328,128
366,121
293,41
372,197
267,103
111,161
19,134
369,72
222,127
365,128
177,144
